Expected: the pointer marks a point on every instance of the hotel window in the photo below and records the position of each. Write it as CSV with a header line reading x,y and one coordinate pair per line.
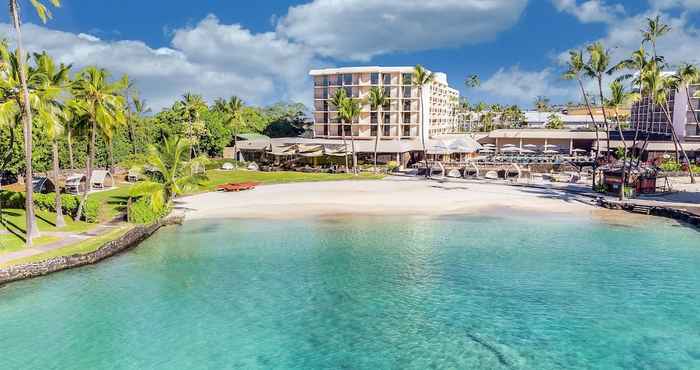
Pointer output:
x,y
325,130
339,80
373,131
348,130
387,92
387,118
325,105
325,118
347,79
373,117
325,93
348,91
407,78
407,118
407,105
386,106
406,91
374,78
387,79
407,130
387,130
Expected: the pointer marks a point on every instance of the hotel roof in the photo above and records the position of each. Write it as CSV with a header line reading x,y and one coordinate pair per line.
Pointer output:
x,y
366,69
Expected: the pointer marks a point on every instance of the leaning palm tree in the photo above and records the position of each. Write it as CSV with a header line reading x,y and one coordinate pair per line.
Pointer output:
x,y
597,66
349,110
574,72
171,173
232,110
686,75
50,111
377,99
664,86
619,98
339,96
189,109
421,78
102,105
653,31
74,121
26,109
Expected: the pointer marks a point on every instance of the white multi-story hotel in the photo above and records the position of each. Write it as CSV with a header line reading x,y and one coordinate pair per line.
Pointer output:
x,y
684,117
401,117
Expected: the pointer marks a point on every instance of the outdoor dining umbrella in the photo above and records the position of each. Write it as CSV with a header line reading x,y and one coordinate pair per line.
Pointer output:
x,y
508,145
549,151
530,146
550,146
579,150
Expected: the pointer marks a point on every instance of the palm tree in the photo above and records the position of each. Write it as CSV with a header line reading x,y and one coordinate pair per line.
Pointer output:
x,y
232,110
136,117
598,64
542,103
574,72
473,81
421,78
654,30
349,110
662,87
50,114
73,120
479,109
26,109
377,99
102,105
189,109
686,75
339,96
618,98
172,173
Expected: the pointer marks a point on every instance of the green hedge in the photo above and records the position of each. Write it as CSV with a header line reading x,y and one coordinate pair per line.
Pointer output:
x,y
47,202
141,212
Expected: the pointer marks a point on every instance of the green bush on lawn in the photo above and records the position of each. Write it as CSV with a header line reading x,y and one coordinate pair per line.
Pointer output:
x,y
47,202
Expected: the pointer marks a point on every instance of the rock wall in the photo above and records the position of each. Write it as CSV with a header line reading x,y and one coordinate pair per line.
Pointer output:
x,y
130,239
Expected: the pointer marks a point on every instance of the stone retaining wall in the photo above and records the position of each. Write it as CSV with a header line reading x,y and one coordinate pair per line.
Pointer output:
x,y
668,212
130,239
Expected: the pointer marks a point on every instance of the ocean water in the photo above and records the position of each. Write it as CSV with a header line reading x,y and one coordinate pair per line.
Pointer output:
x,y
529,291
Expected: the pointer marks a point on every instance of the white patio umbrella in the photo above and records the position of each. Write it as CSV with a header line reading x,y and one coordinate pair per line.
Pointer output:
x,y
549,151
527,151
530,146
550,146
579,150
508,145
489,145
510,150
486,151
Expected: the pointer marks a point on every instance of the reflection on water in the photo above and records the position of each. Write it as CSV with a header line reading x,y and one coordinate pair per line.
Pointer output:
x,y
508,290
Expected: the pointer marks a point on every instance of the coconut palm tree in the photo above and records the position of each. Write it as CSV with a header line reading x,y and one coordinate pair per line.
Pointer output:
x,y
421,78
232,110
655,28
472,81
102,105
189,108
172,173
50,111
337,100
598,65
574,72
542,103
686,75
26,111
140,108
619,98
74,121
349,110
377,99
663,86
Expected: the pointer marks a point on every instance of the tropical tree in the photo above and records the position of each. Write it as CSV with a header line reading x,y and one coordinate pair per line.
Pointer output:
x,y
554,122
102,105
598,65
55,81
349,110
686,75
339,96
171,172
136,117
473,81
232,109
26,110
542,103
377,99
574,72
74,121
663,86
421,78
619,98
479,109
655,28
189,108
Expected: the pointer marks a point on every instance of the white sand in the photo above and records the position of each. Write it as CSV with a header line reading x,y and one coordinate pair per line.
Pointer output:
x,y
393,196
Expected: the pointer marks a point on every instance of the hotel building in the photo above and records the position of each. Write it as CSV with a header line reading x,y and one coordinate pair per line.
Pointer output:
x,y
683,116
401,117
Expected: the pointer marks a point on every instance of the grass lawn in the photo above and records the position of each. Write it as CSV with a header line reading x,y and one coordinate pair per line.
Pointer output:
x,y
83,247
218,177
11,243
113,200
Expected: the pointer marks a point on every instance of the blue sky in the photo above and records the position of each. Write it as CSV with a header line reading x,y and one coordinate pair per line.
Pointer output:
x,y
262,51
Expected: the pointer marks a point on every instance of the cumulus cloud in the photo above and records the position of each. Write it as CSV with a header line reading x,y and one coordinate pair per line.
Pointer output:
x,y
672,4
210,58
362,29
515,85
590,11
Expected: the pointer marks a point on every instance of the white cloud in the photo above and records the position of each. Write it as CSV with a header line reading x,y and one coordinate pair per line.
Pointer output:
x,y
210,58
672,4
514,85
362,29
590,11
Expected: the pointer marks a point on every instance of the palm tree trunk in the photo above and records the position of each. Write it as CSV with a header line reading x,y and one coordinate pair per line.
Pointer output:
x,y
376,142
111,156
679,145
345,144
354,154
70,148
428,171
595,125
690,106
90,160
60,222
32,227
624,156
605,116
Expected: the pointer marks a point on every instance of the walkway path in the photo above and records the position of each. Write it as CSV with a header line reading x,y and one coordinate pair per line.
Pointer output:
x,y
67,239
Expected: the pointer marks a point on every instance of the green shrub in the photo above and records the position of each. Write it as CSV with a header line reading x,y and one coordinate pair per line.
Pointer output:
x,y
141,212
12,199
133,160
392,166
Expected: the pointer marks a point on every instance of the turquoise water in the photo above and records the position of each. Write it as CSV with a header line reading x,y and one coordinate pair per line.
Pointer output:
x,y
521,292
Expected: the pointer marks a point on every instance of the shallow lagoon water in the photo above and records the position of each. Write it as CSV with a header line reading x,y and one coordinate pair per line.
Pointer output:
x,y
529,291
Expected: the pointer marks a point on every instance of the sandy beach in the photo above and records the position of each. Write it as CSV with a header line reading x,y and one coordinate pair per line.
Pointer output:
x,y
391,196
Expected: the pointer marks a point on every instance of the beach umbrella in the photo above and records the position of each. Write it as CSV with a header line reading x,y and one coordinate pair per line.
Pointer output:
x,y
579,150
550,146
530,146
489,145
486,151
549,151
510,150
527,151
508,146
